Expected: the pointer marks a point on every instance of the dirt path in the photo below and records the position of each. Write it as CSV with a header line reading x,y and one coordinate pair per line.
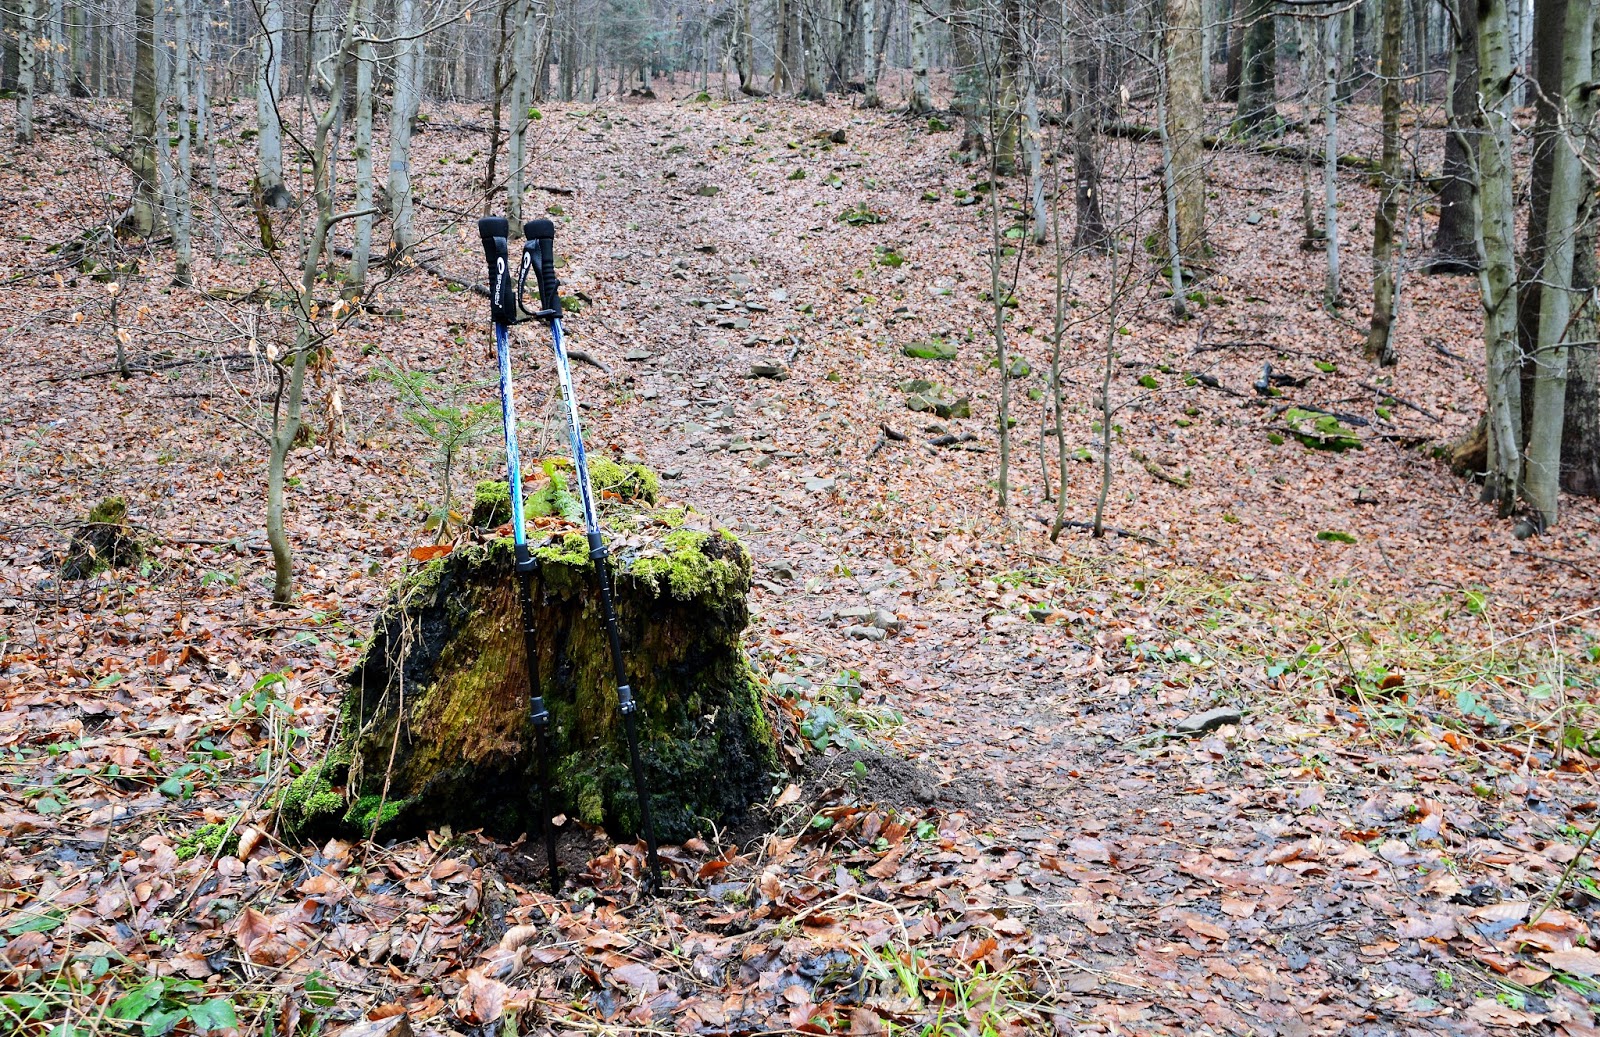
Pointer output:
x,y
1247,882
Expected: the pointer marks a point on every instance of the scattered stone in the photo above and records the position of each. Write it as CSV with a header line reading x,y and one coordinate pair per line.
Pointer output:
x,y
781,570
865,633
1252,218
736,323
693,428
886,621
931,349
816,484
837,136
648,394
854,612
636,354
1210,720
768,368
707,190
918,385
672,473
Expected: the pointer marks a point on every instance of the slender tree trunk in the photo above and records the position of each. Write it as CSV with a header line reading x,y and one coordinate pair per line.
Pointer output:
x,y
870,52
1257,112
27,61
745,50
286,423
1089,231
1169,187
1186,124
1497,275
921,101
967,74
1556,302
1455,249
516,143
269,127
1006,111
146,214
500,80
183,171
60,48
407,99
366,66
1033,149
811,53
1330,160
1548,21
1580,443
1380,336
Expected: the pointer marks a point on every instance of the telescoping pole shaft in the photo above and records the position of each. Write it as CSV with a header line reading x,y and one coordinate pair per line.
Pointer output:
x,y
493,232
598,552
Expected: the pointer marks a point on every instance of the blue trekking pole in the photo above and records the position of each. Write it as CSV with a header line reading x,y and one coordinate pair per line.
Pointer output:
x,y
538,257
503,311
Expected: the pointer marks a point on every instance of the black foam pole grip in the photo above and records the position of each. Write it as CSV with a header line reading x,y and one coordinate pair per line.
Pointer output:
x,y
541,235
493,231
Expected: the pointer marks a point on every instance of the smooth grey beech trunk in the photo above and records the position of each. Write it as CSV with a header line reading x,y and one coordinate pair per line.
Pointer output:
x,y
366,63
407,99
1497,275
269,125
1543,473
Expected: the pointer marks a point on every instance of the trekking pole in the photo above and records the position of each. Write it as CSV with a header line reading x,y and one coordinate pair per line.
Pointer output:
x,y
503,311
538,255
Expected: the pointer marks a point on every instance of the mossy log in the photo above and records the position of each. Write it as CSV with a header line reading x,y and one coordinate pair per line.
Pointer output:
x,y
434,729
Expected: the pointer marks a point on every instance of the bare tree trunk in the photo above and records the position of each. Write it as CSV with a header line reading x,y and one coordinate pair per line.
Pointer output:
x,y
921,101
1455,249
1257,112
269,127
871,52
1543,478
811,53
1330,160
60,48
516,143
745,50
183,171
407,99
1089,231
286,423
366,66
1186,125
1497,276
1380,336
1033,149
27,59
146,213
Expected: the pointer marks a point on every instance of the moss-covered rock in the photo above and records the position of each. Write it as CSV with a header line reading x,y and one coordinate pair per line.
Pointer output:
x,y
434,729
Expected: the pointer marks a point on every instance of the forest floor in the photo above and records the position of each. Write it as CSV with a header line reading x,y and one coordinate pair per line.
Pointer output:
x,y
1010,830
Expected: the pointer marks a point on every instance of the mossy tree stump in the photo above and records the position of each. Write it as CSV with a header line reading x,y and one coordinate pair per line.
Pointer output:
x,y
434,728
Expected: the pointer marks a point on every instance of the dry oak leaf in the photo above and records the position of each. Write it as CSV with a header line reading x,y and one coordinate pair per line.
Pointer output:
x,y
260,943
1580,961
642,978
481,1000
394,1023
1492,1013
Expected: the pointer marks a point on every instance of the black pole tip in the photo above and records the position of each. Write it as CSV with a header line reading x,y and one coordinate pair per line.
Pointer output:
x,y
539,229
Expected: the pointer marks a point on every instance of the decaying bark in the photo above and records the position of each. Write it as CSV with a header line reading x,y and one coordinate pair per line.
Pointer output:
x,y
434,729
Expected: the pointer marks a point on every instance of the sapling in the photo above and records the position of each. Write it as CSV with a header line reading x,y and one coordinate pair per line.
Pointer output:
x,y
450,423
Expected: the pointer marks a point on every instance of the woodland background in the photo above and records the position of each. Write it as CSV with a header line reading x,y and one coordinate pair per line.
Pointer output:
x,y
1166,435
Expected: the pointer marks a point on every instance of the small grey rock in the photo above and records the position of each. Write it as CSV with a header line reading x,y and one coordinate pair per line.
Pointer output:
x,y
1253,218
766,368
820,485
1210,720
854,612
886,621
672,473
865,633
636,354
781,570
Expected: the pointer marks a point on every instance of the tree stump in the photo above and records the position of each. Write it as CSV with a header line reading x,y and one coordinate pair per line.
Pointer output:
x,y
434,728
104,541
